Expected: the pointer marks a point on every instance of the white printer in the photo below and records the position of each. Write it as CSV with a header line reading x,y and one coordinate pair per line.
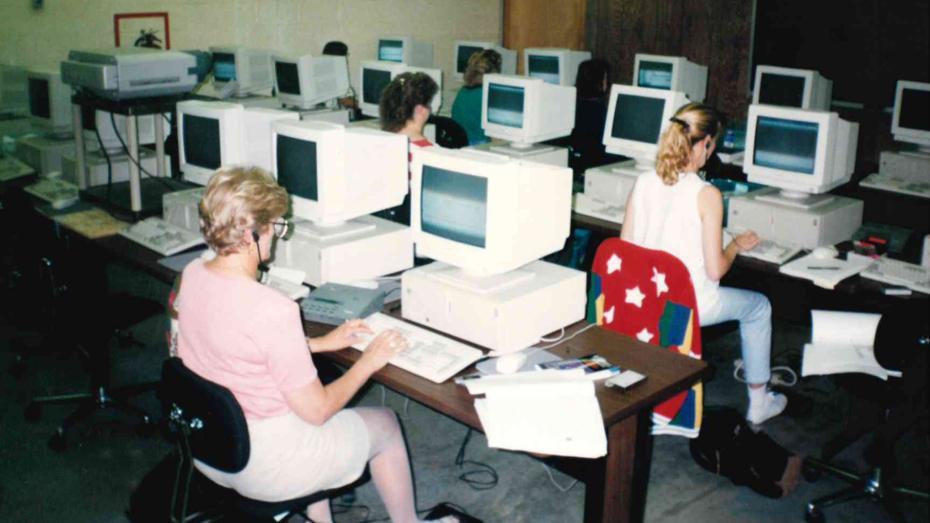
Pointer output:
x,y
134,72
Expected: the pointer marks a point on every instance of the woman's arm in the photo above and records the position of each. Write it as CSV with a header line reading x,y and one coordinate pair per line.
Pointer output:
x,y
718,260
626,230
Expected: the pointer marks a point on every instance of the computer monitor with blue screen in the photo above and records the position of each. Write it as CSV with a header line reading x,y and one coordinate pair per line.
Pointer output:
x,y
671,73
911,120
802,152
555,65
405,50
49,102
241,71
636,118
788,87
526,110
305,81
376,75
465,48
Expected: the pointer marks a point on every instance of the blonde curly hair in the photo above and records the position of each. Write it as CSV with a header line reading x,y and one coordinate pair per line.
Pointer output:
x,y
691,124
239,200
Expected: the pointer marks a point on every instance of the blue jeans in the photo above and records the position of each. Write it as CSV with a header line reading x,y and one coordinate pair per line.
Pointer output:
x,y
754,313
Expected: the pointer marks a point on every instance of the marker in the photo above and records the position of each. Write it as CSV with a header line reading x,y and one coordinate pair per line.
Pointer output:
x,y
825,268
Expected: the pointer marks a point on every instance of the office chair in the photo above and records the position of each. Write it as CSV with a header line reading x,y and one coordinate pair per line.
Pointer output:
x,y
887,409
449,133
336,48
210,426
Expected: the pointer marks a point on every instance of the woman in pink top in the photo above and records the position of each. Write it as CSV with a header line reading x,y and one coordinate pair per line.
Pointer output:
x,y
249,338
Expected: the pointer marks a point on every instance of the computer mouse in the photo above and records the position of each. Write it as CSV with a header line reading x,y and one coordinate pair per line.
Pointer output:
x,y
509,363
825,252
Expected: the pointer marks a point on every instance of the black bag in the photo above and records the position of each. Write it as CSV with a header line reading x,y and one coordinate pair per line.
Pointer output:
x,y
729,447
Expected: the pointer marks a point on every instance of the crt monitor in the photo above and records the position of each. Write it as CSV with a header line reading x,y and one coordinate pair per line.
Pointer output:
x,y
802,152
405,50
636,118
672,73
802,88
209,137
241,71
911,120
465,48
334,173
486,213
526,110
49,101
305,81
553,64
14,98
376,75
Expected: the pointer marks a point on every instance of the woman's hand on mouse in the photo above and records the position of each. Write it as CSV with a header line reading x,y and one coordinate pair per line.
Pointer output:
x,y
746,241
381,349
349,333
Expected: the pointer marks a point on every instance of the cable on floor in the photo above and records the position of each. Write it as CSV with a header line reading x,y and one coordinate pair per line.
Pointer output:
x,y
782,376
556,483
483,477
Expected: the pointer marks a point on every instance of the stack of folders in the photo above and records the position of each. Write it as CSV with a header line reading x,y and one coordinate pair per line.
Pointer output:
x,y
548,411
843,342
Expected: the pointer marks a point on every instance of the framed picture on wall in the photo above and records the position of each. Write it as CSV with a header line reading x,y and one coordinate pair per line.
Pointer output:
x,y
142,30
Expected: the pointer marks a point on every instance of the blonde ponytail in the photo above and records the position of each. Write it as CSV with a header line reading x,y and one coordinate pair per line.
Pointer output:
x,y
691,124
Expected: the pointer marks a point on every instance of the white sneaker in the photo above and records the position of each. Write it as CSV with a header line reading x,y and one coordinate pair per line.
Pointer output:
x,y
773,405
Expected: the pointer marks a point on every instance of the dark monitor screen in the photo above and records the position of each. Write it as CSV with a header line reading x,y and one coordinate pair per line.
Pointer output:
x,y
781,89
637,118
545,67
505,105
454,206
391,50
39,103
656,75
201,137
297,167
224,67
787,145
465,52
915,109
288,78
373,83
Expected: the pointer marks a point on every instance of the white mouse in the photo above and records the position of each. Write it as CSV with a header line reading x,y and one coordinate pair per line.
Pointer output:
x,y
509,363
825,252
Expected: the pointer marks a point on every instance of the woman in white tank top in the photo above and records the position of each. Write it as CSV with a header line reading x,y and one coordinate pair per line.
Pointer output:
x,y
674,210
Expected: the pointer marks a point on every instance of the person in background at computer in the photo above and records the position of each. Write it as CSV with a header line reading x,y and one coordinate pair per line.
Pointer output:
x,y
404,109
674,210
466,110
249,338
591,87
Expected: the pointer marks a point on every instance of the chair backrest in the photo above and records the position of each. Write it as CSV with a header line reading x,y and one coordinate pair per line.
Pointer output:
x,y
648,294
218,432
449,133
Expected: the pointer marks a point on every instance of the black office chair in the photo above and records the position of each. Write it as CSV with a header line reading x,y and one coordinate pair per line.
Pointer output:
x,y
886,409
210,426
449,133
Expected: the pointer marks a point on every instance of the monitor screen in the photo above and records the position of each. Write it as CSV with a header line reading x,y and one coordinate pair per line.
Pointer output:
x,y
915,109
296,167
656,75
201,141
781,89
288,77
787,145
224,67
464,53
638,118
373,83
454,206
39,103
505,105
545,67
391,50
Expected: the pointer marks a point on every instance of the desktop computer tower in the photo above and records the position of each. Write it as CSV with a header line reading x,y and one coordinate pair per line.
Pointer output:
x,y
95,166
42,153
542,299
827,224
539,153
181,208
912,166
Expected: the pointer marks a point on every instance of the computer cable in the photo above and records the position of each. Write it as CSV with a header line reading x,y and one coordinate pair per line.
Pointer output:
x,y
556,338
483,477
119,137
555,483
106,156
782,375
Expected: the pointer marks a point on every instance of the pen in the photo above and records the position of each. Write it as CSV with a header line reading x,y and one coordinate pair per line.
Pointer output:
x,y
824,268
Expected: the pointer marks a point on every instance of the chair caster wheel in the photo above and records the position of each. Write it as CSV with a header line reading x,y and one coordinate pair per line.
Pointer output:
x,y
33,412
57,442
811,473
814,515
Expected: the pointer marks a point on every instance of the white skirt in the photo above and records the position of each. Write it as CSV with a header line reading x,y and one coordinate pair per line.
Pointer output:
x,y
290,458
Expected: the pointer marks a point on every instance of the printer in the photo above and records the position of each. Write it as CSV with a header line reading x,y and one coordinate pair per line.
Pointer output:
x,y
133,72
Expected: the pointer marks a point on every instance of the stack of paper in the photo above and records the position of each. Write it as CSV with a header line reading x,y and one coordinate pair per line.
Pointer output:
x,y
548,412
843,342
824,273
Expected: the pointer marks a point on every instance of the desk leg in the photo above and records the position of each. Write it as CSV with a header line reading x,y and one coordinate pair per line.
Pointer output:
x,y
160,145
135,181
616,489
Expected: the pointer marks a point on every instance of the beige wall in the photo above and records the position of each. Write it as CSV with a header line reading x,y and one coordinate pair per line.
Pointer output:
x,y
43,37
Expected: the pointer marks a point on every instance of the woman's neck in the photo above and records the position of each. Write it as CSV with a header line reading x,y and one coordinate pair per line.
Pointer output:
x,y
237,264
413,131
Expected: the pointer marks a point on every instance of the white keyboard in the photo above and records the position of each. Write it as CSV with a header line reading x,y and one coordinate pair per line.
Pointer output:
x,y
162,237
770,251
55,191
901,273
11,168
598,209
428,355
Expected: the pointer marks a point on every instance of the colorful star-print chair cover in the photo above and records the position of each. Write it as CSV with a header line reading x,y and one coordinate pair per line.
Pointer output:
x,y
648,294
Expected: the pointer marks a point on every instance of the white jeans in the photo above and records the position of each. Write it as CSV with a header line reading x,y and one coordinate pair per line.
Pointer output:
x,y
754,313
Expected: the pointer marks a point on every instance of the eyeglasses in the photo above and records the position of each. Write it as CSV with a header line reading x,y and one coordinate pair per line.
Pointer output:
x,y
281,227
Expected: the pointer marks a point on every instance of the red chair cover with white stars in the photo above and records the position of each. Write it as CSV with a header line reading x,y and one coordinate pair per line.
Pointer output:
x,y
648,294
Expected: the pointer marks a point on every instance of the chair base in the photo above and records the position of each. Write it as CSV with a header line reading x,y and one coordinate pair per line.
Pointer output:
x,y
872,486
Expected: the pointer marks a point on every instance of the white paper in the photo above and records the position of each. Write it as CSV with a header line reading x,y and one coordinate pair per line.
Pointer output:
x,y
843,342
849,328
514,381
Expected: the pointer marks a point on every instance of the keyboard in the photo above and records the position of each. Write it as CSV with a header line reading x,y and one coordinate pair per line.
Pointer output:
x,y
428,355
162,237
55,191
770,251
901,273
598,209
11,168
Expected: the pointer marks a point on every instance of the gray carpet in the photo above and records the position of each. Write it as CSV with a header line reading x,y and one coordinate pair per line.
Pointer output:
x,y
92,480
